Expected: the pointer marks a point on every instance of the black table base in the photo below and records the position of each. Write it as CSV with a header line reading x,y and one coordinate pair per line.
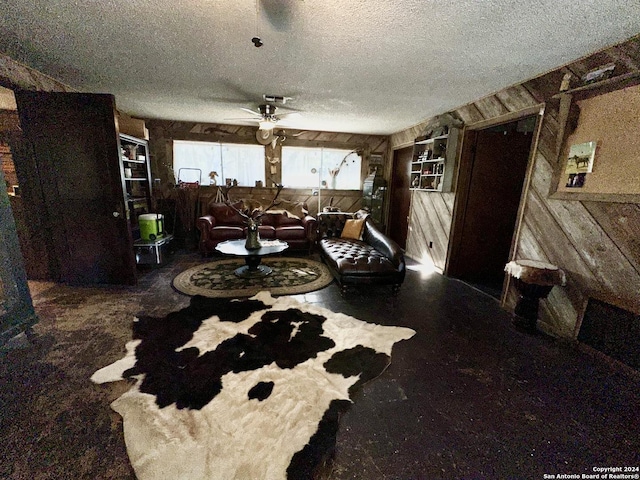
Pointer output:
x,y
527,307
253,268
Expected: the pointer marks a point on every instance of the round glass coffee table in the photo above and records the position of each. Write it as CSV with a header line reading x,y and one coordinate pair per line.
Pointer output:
x,y
252,258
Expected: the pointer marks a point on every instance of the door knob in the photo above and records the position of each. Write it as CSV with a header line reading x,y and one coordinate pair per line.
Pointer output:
x,y
116,214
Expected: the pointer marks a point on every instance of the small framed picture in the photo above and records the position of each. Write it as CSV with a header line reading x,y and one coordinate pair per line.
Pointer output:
x,y
581,156
576,180
579,163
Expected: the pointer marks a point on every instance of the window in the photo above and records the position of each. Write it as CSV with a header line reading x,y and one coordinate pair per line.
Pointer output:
x,y
304,167
194,161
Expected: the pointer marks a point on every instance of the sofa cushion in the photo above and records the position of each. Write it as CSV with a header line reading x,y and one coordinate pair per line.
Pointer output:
x,y
292,232
355,257
227,233
265,231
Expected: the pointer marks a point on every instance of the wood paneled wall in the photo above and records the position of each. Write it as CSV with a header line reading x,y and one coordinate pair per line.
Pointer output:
x,y
345,200
429,225
162,133
596,243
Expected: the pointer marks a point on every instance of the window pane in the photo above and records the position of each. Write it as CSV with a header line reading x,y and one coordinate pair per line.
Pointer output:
x,y
341,169
192,161
196,160
300,167
304,167
244,163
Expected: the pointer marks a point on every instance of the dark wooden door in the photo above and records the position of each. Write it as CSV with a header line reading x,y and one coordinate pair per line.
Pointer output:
x,y
497,168
400,195
75,168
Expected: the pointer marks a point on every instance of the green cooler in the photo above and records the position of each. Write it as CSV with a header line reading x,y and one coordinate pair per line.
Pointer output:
x,y
151,226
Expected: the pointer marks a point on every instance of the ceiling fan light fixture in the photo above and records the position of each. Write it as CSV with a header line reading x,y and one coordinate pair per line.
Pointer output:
x,y
266,124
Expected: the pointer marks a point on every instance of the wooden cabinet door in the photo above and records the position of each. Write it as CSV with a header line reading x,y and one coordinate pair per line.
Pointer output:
x,y
76,167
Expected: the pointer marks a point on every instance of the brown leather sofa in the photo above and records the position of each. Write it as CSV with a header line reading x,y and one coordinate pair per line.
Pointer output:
x,y
374,259
288,221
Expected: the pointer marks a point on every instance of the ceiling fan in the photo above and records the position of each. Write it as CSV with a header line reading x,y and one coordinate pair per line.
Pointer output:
x,y
267,121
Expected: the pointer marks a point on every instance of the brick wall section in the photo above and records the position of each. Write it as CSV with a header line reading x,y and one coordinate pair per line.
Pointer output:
x,y
8,168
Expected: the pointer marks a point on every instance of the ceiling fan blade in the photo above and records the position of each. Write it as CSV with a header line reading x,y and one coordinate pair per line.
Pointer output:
x,y
254,119
288,114
248,110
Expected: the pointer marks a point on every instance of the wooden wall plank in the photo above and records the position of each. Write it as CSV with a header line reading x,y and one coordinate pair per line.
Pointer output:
x,y
557,314
597,251
547,142
516,98
621,221
407,137
430,224
549,242
490,107
544,87
620,57
631,50
449,200
470,114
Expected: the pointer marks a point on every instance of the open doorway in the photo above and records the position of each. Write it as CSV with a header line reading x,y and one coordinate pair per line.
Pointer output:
x,y
492,172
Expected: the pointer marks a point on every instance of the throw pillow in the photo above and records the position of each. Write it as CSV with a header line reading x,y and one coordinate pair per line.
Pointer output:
x,y
353,229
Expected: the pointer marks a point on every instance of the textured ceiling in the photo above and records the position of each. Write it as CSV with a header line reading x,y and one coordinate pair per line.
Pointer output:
x,y
375,66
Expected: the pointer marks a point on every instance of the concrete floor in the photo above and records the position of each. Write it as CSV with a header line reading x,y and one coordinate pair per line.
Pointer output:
x,y
468,397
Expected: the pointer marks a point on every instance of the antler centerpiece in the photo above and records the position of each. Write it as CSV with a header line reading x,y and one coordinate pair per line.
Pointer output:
x,y
252,219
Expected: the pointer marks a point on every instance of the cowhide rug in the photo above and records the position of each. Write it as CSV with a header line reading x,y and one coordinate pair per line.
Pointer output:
x,y
242,389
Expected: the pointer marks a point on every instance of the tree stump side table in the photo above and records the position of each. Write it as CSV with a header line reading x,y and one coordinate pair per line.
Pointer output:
x,y
533,280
